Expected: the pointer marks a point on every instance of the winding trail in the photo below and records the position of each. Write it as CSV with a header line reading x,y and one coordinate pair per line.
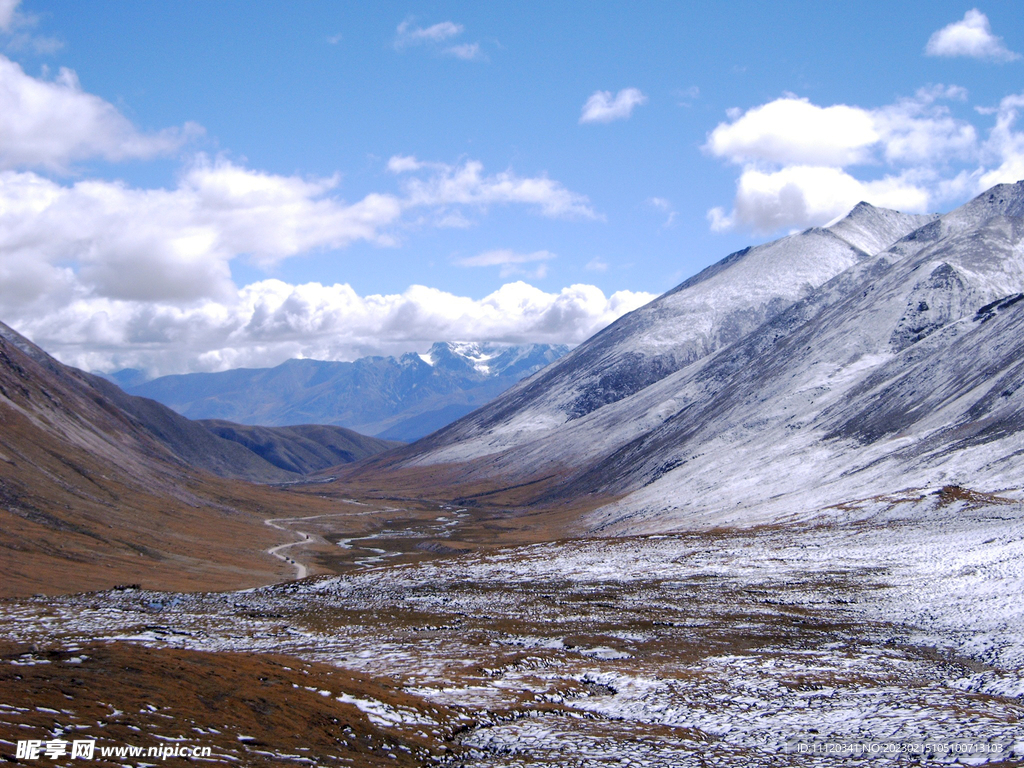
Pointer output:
x,y
301,571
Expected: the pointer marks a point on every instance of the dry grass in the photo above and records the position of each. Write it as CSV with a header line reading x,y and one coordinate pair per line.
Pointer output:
x,y
125,694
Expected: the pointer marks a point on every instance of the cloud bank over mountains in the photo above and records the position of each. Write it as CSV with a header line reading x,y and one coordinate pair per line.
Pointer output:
x,y
804,164
111,275
268,322
798,158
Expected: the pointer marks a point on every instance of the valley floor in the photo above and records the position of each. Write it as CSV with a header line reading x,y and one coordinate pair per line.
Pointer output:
x,y
890,630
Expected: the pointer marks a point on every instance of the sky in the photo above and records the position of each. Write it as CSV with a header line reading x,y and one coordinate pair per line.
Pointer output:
x,y
190,186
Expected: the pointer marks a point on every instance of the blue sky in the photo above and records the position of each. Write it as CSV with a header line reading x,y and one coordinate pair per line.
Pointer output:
x,y
197,186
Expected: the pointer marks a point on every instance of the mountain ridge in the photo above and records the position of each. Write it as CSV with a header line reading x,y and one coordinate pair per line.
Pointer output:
x,y
91,496
673,331
195,445
782,417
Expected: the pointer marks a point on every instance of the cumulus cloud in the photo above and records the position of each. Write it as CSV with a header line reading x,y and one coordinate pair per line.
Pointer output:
x,y
176,244
404,164
971,36
798,158
602,107
99,264
792,130
109,275
1005,146
271,321
919,130
52,124
802,196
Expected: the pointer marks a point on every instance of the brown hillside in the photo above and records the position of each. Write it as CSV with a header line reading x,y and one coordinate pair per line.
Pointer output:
x,y
90,499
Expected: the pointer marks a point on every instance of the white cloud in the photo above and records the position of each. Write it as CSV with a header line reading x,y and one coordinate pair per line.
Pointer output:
x,y
796,158
1004,146
466,51
803,196
271,321
103,240
52,124
792,130
7,9
467,185
407,34
176,245
602,107
917,130
435,37
719,220
510,262
972,36
404,164
504,256
109,275
663,205
596,265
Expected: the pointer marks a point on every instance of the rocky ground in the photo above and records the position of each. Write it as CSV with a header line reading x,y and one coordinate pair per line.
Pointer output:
x,y
892,626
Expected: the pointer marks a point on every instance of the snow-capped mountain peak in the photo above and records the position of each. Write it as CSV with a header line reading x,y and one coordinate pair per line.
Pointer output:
x,y
873,229
711,310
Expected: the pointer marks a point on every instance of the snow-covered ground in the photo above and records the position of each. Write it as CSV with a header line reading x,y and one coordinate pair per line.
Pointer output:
x,y
894,621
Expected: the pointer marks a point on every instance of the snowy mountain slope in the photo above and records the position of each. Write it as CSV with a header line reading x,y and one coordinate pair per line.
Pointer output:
x,y
904,370
707,312
912,379
395,398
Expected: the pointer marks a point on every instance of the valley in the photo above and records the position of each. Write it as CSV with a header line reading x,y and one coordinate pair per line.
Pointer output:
x,y
535,385
775,513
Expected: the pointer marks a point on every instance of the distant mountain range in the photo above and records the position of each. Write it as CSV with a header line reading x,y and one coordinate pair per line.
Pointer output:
x,y
263,455
881,353
391,398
